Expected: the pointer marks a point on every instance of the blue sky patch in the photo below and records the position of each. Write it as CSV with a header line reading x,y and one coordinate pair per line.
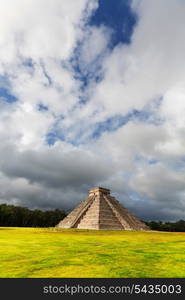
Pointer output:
x,y
29,63
87,73
55,133
51,138
117,121
110,124
49,80
7,96
152,161
42,107
117,15
119,18
54,136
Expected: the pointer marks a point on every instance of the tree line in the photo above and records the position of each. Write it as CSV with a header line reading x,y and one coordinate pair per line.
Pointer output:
x,y
16,216
178,226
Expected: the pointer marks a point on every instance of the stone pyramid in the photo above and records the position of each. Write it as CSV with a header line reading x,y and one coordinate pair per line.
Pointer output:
x,y
101,211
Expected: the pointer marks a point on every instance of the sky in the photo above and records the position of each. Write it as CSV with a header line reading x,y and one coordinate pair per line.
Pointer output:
x,y
92,93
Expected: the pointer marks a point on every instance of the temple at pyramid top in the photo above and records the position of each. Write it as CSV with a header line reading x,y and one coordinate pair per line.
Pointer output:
x,y
101,211
98,190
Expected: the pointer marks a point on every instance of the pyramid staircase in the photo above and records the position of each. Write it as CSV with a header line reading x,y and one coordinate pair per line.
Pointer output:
x,y
101,211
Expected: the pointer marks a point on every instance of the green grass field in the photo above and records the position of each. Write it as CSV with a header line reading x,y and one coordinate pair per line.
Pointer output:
x,y
32,252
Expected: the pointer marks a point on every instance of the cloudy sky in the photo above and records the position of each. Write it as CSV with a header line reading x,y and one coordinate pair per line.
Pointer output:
x,y
92,93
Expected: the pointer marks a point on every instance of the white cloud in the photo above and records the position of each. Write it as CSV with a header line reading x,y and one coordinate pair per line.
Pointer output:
x,y
40,29
36,38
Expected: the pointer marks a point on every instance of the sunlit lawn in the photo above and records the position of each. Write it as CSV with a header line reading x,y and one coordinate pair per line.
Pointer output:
x,y
36,252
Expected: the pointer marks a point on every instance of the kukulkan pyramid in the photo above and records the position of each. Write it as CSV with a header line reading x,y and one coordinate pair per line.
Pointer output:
x,y
101,211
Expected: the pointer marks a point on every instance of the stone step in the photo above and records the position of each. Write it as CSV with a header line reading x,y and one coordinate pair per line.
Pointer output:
x,y
88,226
106,227
110,223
